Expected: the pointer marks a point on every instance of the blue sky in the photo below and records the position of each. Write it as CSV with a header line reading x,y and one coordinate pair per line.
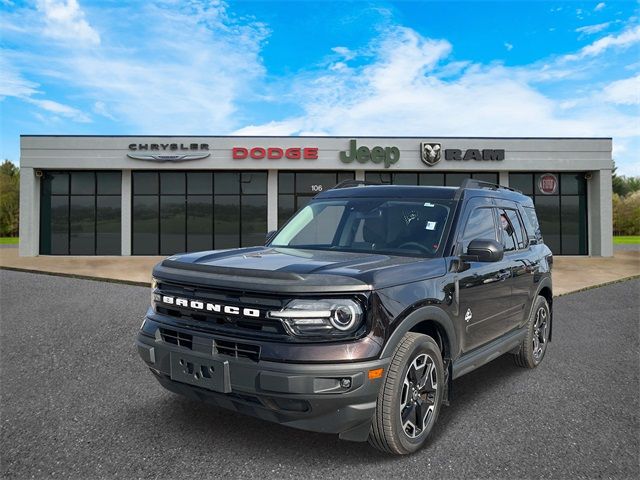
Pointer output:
x,y
540,68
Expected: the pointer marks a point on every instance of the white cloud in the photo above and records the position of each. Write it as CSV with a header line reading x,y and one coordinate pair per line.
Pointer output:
x,y
344,52
167,67
628,37
402,92
599,6
508,46
591,29
12,84
65,20
625,92
59,109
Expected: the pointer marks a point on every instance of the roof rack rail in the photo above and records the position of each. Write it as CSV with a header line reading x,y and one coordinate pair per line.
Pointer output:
x,y
473,183
353,183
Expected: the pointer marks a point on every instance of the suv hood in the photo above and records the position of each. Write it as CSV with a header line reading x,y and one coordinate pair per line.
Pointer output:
x,y
296,270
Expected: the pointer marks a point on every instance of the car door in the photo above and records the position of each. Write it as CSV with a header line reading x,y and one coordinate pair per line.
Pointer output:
x,y
484,287
524,265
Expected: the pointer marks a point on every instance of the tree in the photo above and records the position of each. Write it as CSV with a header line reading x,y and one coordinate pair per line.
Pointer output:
x,y
623,185
9,199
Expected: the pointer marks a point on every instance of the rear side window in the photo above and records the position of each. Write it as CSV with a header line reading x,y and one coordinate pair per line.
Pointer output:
x,y
480,225
531,223
507,233
513,235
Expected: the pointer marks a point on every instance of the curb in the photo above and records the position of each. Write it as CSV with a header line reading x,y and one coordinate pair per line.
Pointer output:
x,y
79,277
591,287
148,284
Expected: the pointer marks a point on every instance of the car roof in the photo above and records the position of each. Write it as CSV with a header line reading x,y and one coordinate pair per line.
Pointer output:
x,y
411,191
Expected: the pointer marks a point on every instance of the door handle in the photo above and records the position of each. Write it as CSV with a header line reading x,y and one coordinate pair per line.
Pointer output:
x,y
502,275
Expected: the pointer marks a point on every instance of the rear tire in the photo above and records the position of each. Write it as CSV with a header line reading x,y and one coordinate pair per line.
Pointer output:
x,y
410,398
534,345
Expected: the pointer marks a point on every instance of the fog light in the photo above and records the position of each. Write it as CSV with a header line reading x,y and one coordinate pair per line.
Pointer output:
x,y
345,383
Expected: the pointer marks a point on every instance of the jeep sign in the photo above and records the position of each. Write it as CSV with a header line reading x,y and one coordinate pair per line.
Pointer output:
x,y
387,155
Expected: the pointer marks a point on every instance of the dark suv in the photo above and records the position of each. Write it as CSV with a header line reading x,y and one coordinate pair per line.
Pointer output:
x,y
357,315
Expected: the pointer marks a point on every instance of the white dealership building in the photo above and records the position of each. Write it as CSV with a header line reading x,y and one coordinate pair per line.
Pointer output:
x,y
158,195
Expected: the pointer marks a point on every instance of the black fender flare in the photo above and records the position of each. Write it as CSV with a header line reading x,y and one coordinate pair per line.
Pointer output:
x,y
545,282
421,314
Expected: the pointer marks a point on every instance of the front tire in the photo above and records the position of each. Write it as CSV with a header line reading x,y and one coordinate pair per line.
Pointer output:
x,y
534,345
410,398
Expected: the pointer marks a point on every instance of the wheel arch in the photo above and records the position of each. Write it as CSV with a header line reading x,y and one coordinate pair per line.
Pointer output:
x,y
545,291
429,320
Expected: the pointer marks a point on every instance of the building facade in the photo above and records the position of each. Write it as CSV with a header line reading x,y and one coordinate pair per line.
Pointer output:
x,y
143,195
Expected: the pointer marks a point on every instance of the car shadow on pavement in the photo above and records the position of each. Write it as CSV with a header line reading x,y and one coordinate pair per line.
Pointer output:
x,y
211,428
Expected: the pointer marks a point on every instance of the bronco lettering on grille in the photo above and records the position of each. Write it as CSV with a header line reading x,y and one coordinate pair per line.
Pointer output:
x,y
209,307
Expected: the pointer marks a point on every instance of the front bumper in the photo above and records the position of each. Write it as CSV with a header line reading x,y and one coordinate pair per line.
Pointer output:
x,y
307,396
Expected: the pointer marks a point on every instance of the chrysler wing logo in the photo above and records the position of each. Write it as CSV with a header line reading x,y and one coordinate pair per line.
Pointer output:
x,y
158,157
430,153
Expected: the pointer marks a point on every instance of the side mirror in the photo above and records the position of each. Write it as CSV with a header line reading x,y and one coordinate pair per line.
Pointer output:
x,y
483,250
269,236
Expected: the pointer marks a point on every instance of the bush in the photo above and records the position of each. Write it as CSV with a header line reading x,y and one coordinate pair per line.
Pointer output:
x,y
626,214
9,199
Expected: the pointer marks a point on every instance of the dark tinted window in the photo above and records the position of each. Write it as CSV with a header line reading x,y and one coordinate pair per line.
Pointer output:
x,y
59,218
548,210
508,234
521,237
253,183
82,225
522,182
108,228
172,183
83,183
109,183
480,225
58,183
486,177
145,225
431,179
199,183
456,179
172,224
74,220
145,183
531,223
226,183
199,222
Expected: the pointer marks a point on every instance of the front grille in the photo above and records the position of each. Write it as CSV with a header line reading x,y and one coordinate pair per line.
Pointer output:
x,y
177,338
237,350
220,322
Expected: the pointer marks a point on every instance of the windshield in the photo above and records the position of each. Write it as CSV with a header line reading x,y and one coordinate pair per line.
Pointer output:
x,y
394,227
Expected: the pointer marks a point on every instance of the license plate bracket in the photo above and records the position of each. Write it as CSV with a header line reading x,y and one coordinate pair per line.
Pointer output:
x,y
201,371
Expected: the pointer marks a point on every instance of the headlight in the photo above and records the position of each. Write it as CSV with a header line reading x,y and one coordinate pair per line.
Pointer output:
x,y
155,297
320,317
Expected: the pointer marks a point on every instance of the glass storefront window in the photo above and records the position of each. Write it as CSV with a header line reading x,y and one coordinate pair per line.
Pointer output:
x,y
80,213
562,214
434,179
195,211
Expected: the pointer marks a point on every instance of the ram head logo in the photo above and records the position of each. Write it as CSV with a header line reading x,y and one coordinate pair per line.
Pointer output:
x,y
430,153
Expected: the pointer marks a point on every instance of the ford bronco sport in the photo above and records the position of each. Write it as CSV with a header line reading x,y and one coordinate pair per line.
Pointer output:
x,y
359,313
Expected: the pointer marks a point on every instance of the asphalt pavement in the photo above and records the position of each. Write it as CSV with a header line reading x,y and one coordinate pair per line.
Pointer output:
x,y
77,402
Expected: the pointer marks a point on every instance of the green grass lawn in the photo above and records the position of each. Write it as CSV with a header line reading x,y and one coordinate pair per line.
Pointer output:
x,y
9,240
626,239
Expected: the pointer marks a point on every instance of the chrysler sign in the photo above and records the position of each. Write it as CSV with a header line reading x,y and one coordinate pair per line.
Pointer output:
x,y
168,152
